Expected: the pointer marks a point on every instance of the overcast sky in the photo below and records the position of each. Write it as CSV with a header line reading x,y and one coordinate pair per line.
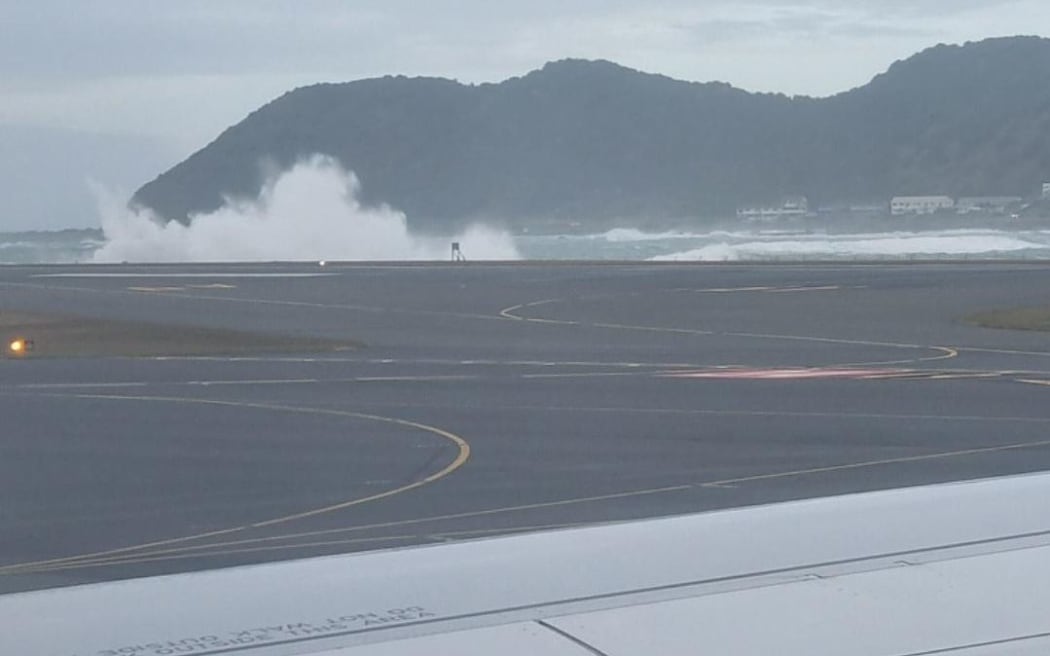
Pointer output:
x,y
164,77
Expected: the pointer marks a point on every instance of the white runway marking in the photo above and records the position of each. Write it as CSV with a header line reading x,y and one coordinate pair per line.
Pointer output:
x,y
766,289
289,274
214,285
975,349
435,361
243,382
1028,381
76,385
786,373
788,290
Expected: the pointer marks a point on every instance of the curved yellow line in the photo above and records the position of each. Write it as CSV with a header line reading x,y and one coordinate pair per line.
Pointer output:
x,y
461,458
215,550
239,546
185,553
947,353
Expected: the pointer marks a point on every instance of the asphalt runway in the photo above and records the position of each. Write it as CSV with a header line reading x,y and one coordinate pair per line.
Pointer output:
x,y
491,399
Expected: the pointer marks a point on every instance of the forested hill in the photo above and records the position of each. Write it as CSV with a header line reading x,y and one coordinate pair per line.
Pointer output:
x,y
592,141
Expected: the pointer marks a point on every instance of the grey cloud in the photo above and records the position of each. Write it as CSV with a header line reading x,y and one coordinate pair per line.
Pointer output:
x,y
797,24
65,39
207,62
60,39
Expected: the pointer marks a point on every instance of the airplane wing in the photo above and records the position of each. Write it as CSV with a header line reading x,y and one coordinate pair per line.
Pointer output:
x,y
959,569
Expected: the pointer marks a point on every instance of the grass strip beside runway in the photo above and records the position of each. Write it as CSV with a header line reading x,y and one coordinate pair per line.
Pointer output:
x,y
1037,318
52,335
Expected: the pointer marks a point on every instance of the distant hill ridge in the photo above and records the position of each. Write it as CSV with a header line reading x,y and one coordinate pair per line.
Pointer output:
x,y
596,142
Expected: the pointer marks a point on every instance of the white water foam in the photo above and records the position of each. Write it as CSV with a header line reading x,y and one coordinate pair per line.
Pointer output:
x,y
618,235
309,212
987,243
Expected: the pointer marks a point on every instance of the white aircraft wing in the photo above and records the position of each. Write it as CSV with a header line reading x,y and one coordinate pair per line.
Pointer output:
x,y
960,569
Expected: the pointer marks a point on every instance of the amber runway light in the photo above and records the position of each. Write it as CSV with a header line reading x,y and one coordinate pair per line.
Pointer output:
x,y
19,346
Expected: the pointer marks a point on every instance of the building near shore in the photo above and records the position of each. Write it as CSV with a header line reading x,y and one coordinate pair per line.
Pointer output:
x,y
987,204
902,205
791,207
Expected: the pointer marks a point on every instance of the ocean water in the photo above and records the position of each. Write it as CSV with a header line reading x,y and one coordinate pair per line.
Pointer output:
x,y
58,247
79,246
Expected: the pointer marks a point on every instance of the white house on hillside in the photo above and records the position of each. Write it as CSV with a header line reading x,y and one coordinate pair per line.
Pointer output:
x,y
901,205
